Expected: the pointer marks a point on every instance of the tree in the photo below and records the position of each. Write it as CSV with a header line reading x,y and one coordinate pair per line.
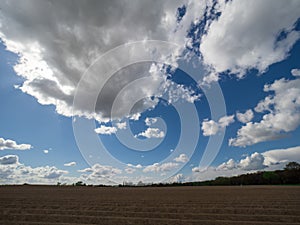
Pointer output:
x,y
292,166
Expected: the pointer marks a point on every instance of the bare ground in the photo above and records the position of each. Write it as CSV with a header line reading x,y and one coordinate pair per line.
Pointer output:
x,y
249,205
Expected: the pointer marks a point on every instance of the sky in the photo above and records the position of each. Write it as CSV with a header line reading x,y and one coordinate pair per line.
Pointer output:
x,y
110,92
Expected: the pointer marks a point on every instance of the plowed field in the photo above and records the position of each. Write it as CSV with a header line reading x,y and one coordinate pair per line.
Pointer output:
x,y
150,205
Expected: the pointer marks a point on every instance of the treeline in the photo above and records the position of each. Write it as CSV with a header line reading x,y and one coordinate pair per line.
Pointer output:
x,y
289,175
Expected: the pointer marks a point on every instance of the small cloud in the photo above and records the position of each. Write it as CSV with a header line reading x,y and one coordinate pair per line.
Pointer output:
x,y
151,133
150,121
138,166
46,151
12,145
70,164
135,116
181,158
295,72
245,117
9,159
121,126
106,130
210,127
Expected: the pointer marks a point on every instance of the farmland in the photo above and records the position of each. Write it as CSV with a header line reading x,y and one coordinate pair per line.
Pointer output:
x,y
149,205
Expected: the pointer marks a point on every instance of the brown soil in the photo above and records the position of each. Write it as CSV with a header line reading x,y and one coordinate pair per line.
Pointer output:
x,y
148,205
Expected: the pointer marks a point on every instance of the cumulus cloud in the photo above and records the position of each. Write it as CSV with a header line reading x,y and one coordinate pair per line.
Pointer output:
x,y
267,161
282,156
152,133
100,171
157,167
178,178
246,116
250,34
106,130
183,158
210,127
229,165
70,164
9,159
253,162
12,145
14,172
283,115
259,161
57,41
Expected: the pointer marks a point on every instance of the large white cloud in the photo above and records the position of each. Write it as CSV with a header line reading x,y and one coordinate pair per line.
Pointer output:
x,y
10,144
248,35
282,156
57,41
283,114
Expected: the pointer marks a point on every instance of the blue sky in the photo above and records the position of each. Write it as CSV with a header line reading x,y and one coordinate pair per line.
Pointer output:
x,y
151,92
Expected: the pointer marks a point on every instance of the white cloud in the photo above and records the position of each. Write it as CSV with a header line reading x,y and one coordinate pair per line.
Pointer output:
x,y
178,178
152,133
121,126
176,92
14,172
157,167
247,35
283,115
46,151
100,171
12,145
253,162
135,116
9,159
295,72
246,116
130,170
138,166
150,121
280,156
181,158
106,130
229,165
267,161
70,164
212,77
210,127
56,47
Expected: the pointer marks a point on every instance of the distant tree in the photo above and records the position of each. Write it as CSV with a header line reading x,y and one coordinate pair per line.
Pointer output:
x,y
80,183
292,166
